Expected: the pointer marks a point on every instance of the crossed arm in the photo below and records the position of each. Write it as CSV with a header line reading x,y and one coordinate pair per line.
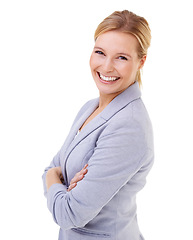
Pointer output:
x,y
54,175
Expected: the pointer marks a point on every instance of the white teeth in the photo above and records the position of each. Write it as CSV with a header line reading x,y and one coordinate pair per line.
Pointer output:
x,y
108,78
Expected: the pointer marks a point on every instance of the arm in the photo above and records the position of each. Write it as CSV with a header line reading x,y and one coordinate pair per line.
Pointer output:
x,y
119,154
54,175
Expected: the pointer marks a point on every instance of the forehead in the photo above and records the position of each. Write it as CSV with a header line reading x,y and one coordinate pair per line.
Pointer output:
x,y
116,41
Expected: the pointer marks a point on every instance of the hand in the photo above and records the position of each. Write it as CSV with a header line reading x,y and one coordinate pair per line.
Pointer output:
x,y
58,172
78,177
54,175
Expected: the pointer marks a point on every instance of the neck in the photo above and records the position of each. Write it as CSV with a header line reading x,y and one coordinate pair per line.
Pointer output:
x,y
105,99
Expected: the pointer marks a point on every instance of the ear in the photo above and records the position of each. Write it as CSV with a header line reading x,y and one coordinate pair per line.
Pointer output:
x,y
142,61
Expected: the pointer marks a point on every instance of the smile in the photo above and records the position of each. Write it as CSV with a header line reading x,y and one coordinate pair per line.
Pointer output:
x,y
108,79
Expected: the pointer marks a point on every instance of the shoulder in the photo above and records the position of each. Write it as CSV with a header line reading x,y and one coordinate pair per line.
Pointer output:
x,y
132,122
132,114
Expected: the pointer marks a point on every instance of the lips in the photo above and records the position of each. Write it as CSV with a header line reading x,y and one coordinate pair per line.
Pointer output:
x,y
107,78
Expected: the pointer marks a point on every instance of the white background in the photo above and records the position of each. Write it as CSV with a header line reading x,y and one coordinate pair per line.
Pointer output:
x,y
45,78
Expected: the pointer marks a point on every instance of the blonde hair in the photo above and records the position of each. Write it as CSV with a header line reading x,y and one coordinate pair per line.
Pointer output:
x,y
131,23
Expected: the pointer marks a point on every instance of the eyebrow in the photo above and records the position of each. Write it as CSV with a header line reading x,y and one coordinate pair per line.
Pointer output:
x,y
99,48
125,54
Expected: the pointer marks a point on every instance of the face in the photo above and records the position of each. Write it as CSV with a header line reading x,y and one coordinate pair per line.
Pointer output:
x,y
114,62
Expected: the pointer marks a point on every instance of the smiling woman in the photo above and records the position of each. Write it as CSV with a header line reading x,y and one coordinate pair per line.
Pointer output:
x,y
114,66
130,23
92,182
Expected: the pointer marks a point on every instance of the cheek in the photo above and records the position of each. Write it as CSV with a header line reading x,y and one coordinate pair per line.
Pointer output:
x,y
92,62
129,69
95,62
124,70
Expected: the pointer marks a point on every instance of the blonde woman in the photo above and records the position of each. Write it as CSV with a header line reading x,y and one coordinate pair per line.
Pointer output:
x,y
92,182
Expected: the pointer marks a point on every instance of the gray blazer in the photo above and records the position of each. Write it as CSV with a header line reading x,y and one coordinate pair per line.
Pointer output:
x,y
118,147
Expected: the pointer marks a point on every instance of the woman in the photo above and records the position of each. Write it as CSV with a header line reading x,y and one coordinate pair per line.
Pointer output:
x,y
92,182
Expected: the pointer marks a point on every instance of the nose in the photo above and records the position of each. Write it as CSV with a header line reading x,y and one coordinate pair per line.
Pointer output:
x,y
108,65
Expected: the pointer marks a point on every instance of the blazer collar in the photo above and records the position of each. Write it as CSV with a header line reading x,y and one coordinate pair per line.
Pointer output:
x,y
130,94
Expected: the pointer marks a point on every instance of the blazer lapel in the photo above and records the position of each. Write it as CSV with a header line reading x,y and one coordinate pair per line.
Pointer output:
x,y
79,122
74,138
89,128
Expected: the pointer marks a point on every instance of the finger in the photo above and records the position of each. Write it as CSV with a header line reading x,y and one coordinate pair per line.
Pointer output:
x,y
86,165
84,170
78,175
77,178
71,186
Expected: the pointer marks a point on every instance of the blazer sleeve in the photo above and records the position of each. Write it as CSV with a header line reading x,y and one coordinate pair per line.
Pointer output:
x,y
121,150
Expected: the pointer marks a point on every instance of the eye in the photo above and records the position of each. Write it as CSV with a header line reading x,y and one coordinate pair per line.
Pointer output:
x,y
99,52
123,58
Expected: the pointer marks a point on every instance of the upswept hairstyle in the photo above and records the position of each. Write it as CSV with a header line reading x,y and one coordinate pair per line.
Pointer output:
x,y
128,22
